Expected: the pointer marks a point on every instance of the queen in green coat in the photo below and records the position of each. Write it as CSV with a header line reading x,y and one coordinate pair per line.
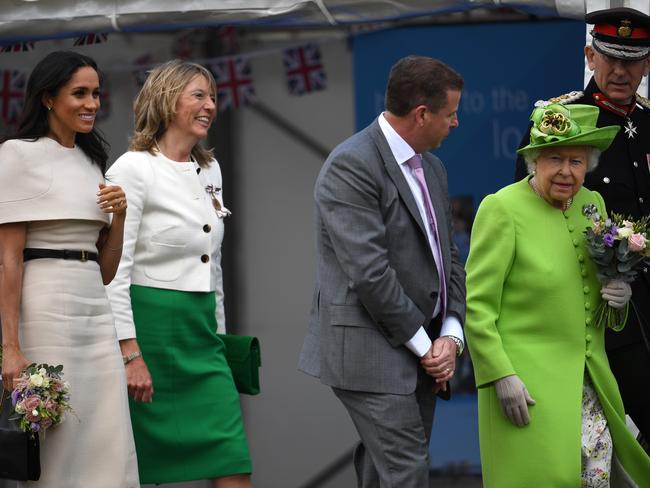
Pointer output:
x,y
550,412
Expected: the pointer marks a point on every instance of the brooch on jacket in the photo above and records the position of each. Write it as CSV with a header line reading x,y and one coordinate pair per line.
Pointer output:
x,y
222,211
590,210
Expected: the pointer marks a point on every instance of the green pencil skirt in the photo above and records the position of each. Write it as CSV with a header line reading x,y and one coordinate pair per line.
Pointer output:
x,y
193,427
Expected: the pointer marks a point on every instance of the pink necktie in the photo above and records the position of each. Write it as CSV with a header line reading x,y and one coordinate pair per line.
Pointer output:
x,y
415,163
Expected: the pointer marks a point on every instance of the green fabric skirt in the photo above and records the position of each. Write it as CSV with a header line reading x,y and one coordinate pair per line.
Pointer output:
x,y
193,427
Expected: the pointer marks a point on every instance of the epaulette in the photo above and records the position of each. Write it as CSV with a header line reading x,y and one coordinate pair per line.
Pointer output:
x,y
643,101
562,99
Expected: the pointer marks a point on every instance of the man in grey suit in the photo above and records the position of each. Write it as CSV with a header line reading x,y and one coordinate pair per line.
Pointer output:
x,y
385,328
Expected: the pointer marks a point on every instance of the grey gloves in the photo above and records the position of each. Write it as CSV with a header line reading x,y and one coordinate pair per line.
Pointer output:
x,y
514,398
616,293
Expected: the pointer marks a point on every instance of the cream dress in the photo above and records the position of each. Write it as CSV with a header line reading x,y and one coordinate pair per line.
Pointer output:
x,y
65,314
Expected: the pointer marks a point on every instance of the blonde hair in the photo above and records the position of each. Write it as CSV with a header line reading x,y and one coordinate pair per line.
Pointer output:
x,y
155,105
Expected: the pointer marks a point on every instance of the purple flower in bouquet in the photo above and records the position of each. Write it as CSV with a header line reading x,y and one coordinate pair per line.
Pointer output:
x,y
14,397
608,239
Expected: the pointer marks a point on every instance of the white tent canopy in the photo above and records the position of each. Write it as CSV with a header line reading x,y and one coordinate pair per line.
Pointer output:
x,y
23,20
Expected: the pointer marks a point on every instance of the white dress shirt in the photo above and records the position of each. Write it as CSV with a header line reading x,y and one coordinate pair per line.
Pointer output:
x,y
420,343
172,234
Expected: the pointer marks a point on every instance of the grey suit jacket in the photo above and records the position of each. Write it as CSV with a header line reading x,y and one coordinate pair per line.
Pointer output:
x,y
376,280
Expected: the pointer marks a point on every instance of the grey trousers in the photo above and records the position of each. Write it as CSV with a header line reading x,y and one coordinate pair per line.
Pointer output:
x,y
395,431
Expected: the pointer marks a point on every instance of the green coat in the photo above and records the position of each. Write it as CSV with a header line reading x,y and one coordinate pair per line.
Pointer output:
x,y
531,292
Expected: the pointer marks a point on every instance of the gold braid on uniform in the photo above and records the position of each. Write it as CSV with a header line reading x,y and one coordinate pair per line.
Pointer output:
x,y
561,99
643,101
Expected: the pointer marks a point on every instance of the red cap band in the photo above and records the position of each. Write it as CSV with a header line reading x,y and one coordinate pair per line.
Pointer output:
x,y
613,31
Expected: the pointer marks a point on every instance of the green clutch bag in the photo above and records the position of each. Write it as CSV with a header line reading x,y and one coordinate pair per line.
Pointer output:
x,y
244,358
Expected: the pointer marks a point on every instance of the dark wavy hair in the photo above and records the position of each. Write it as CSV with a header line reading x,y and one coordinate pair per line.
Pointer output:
x,y
47,78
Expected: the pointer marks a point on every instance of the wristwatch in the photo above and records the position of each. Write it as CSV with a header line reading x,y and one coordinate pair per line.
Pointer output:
x,y
459,344
131,357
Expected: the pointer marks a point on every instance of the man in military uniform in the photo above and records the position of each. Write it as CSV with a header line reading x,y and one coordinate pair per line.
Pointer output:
x,y
619,59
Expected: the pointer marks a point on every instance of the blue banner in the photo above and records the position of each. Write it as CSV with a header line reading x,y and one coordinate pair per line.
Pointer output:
x,y
506,66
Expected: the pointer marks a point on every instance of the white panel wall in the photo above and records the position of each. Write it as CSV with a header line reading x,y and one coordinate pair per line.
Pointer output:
x,y
296,426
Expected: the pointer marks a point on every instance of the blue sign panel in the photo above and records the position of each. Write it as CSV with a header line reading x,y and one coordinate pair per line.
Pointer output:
x,y
506,66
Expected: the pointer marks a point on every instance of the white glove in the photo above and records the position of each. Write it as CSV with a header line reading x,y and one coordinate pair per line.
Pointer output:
x,y
514,398
616,293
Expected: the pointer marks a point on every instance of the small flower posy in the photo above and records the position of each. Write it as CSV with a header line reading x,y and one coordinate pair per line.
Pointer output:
x,y
40,398
618,246
222,211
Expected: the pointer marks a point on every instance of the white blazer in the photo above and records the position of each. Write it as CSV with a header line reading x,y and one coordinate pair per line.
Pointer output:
x,y
173,233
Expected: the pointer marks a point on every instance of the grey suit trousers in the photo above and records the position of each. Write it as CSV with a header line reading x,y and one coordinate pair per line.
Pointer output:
x,y
395,431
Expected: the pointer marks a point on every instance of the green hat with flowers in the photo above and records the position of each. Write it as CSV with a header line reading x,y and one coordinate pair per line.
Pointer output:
x,y
568,125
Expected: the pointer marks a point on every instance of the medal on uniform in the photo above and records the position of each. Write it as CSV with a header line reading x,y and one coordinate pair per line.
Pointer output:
x,y
630,130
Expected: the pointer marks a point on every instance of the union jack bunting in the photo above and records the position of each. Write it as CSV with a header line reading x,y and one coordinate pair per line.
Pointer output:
x,y
92,38
17,48
234,83
183,47
304,69
12,94
229,39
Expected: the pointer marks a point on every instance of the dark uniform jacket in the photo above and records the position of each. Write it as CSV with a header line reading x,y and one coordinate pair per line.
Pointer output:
x,y
623,179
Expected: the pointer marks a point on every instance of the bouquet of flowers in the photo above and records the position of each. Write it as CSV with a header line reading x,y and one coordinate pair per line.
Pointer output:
x,y
40,397
618,246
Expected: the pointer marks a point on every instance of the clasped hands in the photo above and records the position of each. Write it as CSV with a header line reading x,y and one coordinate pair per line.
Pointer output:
x,y
440,362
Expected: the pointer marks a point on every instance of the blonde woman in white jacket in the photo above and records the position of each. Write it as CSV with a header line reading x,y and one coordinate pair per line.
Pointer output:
x,y
167,296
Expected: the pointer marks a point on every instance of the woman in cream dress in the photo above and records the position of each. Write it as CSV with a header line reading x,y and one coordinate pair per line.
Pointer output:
x,y
58,247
